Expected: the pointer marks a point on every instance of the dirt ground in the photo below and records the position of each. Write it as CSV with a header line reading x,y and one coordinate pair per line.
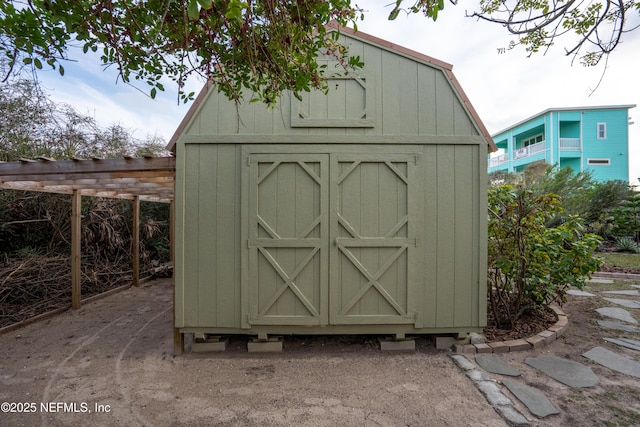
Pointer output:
x,y
111,363
615,400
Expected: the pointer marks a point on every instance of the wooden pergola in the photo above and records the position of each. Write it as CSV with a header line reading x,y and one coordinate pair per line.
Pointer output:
x,y
147,178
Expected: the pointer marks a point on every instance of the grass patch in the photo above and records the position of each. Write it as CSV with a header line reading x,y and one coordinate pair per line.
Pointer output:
x,y
621,259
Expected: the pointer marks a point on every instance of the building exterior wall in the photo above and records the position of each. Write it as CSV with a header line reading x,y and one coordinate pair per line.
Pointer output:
x,y
614,147
606,158
400,96
421,159
448,280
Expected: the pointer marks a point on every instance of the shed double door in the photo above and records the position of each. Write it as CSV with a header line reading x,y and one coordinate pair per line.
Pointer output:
x,y
331,239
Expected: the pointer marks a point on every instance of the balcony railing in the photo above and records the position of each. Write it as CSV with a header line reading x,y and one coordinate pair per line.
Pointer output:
x,y
498,160
528,151
570,144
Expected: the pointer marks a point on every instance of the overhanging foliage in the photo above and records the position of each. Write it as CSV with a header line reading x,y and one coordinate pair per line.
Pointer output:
x,y
264,47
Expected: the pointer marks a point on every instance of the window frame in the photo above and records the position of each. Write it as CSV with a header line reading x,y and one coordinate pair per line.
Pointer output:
x,y
534,139
598,162
601,130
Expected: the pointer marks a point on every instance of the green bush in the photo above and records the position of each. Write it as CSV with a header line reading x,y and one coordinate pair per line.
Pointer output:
x,y
627,244
579,192
531,264
626,218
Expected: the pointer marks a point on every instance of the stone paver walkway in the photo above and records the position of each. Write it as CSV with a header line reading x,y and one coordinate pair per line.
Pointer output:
x,y
495,365
625,342
568,372
579,293
607,324
617,313
535,401
571,373
632,293
614,361
629,303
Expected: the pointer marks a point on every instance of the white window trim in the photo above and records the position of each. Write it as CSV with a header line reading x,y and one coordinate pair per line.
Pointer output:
x,y
604,128
599,162
533,139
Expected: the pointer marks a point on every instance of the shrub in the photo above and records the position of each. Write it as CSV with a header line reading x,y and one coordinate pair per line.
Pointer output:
x,y
530,264
626,218
627,244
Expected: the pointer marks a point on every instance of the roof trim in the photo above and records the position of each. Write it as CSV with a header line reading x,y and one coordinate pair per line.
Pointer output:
x,y
560,109
446,68
384,44
184,123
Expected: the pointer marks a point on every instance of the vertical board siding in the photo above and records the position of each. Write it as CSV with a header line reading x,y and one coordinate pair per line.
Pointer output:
x,y
227,261
463,235
430,224
445,243
207,221
445,100
373,198
462,123
190,238
223,254
452,236
179,247
482,233
427,105
210,236
410,98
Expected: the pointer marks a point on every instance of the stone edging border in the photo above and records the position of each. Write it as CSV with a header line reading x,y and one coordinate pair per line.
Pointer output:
x,y
539,340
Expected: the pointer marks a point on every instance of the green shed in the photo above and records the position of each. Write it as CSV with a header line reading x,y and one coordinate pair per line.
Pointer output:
x,y
362,211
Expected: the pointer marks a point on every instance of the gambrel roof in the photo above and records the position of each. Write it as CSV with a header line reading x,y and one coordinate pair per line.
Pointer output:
x,y
457,100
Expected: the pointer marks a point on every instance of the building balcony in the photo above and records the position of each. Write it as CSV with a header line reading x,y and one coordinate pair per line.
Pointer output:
x,y
570,144
498,160
529,151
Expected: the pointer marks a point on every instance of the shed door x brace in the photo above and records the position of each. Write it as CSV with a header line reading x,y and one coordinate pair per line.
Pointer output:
x,y
332,239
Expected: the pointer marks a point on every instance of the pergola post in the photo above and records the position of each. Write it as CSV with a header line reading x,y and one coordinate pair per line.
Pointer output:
x,y
135,241
76,248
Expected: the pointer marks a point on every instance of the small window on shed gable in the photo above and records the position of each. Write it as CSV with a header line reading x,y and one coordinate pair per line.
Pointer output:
x,y
602,131
349,103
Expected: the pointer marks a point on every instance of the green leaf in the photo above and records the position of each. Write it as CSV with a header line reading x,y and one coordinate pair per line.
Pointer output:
x,y
234,10
37,63
206,4
193,10
153,93
61,70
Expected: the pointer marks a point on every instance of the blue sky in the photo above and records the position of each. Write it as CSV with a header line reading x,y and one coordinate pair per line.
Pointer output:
x,y
503,87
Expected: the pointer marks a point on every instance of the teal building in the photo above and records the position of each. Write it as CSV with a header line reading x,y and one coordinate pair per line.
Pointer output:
x,y
585,138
